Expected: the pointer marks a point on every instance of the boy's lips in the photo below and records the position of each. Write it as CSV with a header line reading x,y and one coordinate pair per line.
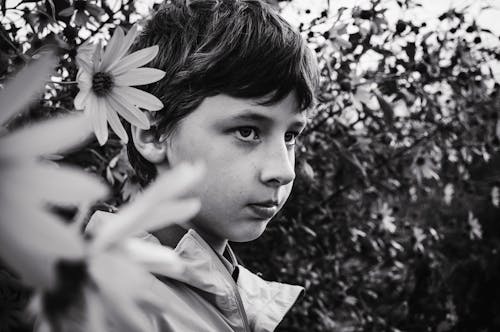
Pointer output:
x,y
265,210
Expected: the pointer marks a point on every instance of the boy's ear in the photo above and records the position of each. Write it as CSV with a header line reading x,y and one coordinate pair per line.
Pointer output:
x,y
149,146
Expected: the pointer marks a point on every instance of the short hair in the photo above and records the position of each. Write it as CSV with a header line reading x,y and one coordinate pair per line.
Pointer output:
x,y
241,48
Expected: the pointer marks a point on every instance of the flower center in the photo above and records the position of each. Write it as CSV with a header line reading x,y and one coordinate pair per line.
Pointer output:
x,y
80,5
71,278
102,83
420,161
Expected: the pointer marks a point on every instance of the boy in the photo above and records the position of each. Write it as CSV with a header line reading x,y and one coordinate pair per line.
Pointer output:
x,y
238,81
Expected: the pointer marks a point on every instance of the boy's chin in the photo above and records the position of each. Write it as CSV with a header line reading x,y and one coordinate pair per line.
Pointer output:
x,y
246,234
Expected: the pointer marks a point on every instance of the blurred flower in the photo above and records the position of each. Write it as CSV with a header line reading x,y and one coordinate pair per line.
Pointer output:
x,y
97,296
419,236
76,279
28,183
105,85
424,168
448,193
384,214
495,196
82,11
476,231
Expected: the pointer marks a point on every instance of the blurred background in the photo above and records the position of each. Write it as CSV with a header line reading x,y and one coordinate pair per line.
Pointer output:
x,y
394,220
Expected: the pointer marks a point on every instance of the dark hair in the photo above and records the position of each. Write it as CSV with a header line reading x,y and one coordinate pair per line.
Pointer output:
x,y
241,48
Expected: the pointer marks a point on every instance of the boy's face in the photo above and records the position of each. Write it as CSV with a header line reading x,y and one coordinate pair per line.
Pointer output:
x,y
248,151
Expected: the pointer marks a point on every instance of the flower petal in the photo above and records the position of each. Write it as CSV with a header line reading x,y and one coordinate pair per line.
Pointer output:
x,y
128,111
18,93
48,183
139,76
94,10
46,137
115,123
155,257
96,57
80,98
156,207
80,18
95,317
113,47
128,41
97,114
32,241
140,98
134,60
119,294
67,11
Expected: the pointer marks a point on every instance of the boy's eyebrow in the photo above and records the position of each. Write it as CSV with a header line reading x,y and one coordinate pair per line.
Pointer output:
x,y
249,115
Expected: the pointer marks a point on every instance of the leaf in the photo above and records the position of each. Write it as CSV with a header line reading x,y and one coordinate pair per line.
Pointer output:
x,y
410,49
386,108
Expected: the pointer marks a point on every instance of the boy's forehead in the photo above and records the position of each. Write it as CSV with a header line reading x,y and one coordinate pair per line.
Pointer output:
x,y
227,107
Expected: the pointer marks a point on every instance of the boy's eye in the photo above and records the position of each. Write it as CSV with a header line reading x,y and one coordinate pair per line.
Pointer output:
x,y
291,138
246,133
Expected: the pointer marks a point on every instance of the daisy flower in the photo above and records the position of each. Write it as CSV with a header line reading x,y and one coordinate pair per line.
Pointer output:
x,y
424,168
386,218
105,85
83,10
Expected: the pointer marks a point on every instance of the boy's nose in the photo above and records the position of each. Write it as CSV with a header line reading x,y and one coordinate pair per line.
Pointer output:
x,y
278,167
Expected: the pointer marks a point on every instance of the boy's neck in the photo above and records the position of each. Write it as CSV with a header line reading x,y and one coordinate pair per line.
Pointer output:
x,y
217,244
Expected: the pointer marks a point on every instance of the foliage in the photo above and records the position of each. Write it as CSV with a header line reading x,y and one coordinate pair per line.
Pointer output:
x,y
392,225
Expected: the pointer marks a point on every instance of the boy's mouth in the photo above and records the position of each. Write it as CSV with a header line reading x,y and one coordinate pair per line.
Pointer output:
x,y
264,210
268,203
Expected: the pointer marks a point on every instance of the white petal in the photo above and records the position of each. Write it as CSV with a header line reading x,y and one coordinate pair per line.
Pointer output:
x,y
47,137
97,114
95,311
155,257
140,98
32,241
96,57
45,183
134,221
18,93
80,99
128,111
84,79
120,294
134,60
128,41
113,47
139,76
158,206
115,123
